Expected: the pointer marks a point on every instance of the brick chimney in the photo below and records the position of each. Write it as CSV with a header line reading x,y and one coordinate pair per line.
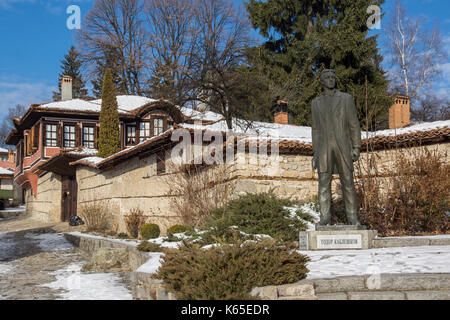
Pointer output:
x,y
282,114
11,156
399,113
66,88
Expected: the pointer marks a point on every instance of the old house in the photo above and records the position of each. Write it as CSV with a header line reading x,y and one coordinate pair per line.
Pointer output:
x,y
58,167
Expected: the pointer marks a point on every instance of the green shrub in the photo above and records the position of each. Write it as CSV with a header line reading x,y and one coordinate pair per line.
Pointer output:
x,y
176,229
150,231
230,271
149,247
262,213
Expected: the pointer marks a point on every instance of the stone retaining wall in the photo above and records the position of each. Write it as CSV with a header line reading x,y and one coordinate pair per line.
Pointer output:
x,y
142,285
46,206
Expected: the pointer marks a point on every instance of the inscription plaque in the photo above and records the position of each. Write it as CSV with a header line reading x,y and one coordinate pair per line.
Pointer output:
x,y
339,241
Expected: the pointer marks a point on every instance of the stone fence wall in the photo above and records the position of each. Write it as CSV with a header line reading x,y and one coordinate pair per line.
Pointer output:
x,y
135,183
47,205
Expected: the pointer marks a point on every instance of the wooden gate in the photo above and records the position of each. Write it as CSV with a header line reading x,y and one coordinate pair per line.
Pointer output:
x,y
69,197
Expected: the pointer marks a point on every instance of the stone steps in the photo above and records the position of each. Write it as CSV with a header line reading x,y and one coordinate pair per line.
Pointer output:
x,y
392,242
430,286
384,295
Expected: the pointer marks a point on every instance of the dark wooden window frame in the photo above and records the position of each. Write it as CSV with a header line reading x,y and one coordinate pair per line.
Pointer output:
x,y
46,140
74,140
127,135
92,144
164,124
143,137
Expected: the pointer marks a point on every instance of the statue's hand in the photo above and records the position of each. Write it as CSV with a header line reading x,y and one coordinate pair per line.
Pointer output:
x,y
355,154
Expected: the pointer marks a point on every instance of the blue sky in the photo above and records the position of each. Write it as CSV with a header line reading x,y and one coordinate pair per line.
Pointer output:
x,y
35,38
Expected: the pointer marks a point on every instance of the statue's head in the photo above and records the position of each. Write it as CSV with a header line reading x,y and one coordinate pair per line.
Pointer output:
x,y
328,78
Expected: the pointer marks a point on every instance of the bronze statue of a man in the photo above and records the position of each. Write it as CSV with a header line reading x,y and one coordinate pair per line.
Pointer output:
x,y
336,140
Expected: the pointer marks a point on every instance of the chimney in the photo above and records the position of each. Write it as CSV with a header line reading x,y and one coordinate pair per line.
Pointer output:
x,y
66,88
11,156
399,113
281,114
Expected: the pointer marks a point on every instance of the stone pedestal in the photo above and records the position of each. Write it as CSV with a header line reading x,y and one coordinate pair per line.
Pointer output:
x,y
336,239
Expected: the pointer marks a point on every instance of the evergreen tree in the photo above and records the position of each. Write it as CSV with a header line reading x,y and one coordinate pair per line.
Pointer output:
x,y
71,66
109,137
307,36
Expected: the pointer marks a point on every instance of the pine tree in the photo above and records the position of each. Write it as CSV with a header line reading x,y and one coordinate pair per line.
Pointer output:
x,y
109,137
71,66
307,36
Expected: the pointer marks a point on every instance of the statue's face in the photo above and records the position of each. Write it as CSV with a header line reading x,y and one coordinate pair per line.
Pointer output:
x,y
328,80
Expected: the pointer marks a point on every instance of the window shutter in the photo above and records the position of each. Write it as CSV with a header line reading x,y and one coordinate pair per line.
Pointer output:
x,y
58,135
77,136
36,137
96,135
44,134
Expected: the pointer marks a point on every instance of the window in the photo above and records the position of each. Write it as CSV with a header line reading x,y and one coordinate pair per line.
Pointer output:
x,y
69,136
158,126
89,137
131,135
144,132
51,135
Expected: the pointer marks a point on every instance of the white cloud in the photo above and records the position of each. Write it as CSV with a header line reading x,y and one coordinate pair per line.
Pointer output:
x,y
25,92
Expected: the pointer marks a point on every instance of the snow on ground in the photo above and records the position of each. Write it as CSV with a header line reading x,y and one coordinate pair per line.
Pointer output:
x,y
50,241
5,268
152,264
309,209
336,263
88,286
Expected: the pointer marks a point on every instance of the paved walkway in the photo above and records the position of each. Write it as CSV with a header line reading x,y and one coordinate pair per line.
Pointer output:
x,y
37,262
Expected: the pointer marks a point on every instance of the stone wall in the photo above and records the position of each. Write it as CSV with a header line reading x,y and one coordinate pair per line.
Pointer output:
x,y
136,184
47,205
131,184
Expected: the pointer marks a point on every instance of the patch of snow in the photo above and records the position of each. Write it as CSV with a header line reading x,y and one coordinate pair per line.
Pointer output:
x,y
88,286
309,209
198,115
74,104
165,244
50,241
426,126
127,102
5,268
6,171
336,263
152,264
84,151
92,160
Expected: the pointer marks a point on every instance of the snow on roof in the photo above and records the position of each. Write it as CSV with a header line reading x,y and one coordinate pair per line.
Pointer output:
x,y
91,160
5,171
261,129
197,115
3,150
425,126
74,104
299,133
83,152
128,103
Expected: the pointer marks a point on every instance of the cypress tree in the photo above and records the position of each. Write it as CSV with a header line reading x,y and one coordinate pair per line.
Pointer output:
x,y
307,36
109,137
71,66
